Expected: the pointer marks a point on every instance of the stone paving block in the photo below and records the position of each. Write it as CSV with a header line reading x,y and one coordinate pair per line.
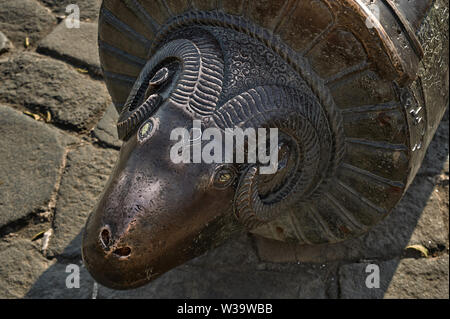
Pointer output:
x,y
406,278
89,9
421,278
421,217
25,18
30,160
22,265
84,177
106,130
40,83
77,45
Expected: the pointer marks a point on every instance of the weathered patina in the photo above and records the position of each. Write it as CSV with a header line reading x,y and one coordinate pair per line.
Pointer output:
x,y
356,89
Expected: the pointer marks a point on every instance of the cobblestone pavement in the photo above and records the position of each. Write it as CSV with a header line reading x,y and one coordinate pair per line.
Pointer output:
x,y
59,144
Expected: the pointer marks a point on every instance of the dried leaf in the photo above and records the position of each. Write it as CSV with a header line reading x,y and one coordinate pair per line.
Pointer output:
x,y
37,117
48,118
81,70
423,251
27,42
38,235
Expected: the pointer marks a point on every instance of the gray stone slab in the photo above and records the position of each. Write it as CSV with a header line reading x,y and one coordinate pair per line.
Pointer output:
x,y
421,278
84,177
30,160
25,18
40,83
77,45
106,129
421,217
406,278
5,44
89,9
22,265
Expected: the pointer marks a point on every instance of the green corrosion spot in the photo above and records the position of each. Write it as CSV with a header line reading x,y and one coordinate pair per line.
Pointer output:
x,y
224,177
145,129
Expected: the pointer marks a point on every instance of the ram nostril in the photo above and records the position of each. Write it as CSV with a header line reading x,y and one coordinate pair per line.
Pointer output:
x,y
105,237
123,251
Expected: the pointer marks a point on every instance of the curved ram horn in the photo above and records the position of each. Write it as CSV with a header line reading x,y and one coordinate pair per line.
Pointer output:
x,y
303,131
197,70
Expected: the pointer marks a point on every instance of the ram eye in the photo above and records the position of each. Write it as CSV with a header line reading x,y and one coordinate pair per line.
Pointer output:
x,y
146,130
224,177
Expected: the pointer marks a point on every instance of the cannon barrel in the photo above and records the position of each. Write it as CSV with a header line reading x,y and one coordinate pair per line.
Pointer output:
x,y
354,88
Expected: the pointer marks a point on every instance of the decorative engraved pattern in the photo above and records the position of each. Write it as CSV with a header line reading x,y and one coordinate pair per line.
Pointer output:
x,y
299,117
273,42
416,117
251,64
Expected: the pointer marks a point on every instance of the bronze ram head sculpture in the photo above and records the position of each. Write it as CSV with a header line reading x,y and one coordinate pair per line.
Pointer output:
x,y
354,89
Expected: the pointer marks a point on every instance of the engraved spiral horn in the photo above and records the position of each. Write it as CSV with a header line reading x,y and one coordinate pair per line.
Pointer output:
x,y
304,149
194,65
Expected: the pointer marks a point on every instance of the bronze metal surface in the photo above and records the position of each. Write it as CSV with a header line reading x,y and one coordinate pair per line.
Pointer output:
x,y
356,89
